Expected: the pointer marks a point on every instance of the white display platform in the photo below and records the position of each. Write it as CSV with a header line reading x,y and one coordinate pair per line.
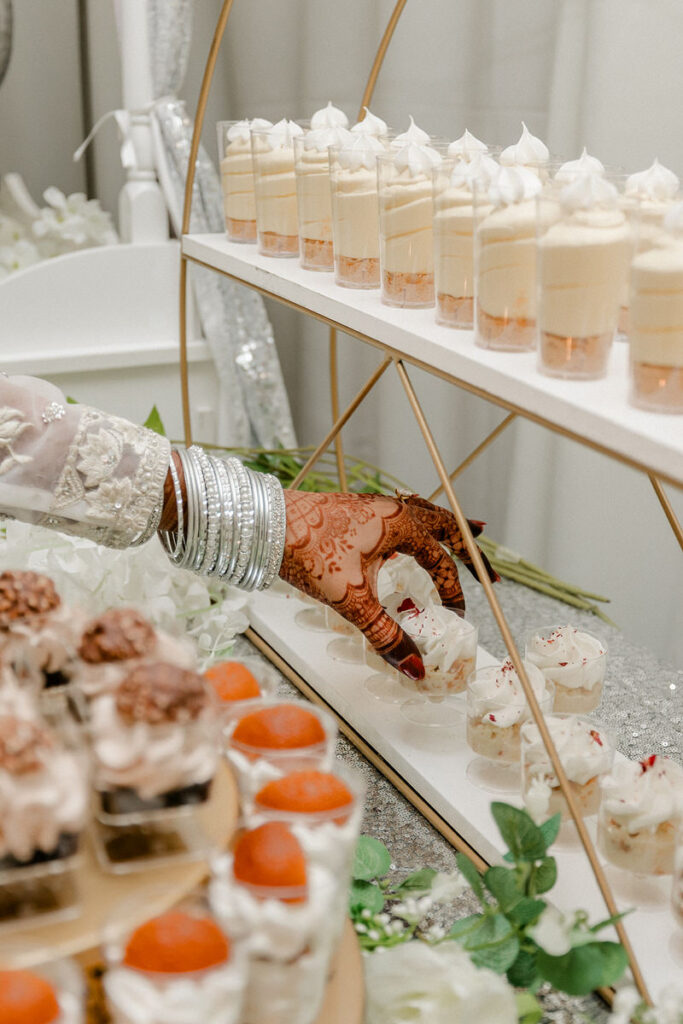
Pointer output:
x,y
595,411
434,762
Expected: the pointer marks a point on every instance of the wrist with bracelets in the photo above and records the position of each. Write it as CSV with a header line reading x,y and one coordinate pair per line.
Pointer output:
x,y
230,522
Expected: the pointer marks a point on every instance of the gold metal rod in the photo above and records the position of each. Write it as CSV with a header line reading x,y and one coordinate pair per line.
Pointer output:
x,y
368,752
334,402
381,54
476,453
668,509
504,628
339,423
187,208
464,385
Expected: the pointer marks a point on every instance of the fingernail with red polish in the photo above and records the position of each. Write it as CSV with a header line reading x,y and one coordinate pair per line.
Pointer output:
x,y
412,667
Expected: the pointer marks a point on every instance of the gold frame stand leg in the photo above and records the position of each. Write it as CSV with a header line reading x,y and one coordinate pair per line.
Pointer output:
x,y
476,453
668,509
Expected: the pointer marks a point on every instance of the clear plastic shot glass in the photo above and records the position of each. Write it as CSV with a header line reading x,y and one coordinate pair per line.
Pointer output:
x,y
275,188
237,180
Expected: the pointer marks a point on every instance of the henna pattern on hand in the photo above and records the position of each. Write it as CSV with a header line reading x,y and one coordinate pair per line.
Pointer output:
x,y
336,543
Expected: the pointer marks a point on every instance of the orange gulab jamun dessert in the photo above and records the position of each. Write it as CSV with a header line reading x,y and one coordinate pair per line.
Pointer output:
x,y
177,942
270,857
307,792
279,727
26,998
231,680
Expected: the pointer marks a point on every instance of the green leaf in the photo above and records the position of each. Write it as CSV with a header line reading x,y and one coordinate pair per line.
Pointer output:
x,y
365,896
544,876
372,859
550,829
524,971
610,920
464,926
498,956
489,940
526,911
71,401
471,874
523,838
529,1009
419,881
584,968
153,422
503,884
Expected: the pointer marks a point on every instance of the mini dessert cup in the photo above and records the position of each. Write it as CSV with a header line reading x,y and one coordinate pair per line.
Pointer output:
x,y
587,753
237,179
180,966
53,993
314,201
449,657
240,684
574,662
496,710
276,738
43,810
275,188
355,210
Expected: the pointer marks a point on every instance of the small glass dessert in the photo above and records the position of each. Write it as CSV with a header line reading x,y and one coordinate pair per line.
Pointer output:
x,y
587,754
355,210
656,320
53,994
574,662
178,966
43,812
529,151
267,893
314,202
238,684
406,242
277,738
583,259
275,188
454,225
496,710
237,177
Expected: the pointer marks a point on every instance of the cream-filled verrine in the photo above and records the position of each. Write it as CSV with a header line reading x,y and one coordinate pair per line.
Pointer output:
x,y
497,708
641,808
355,209
406,220
573,661
583,259
314,201
237,177
275,188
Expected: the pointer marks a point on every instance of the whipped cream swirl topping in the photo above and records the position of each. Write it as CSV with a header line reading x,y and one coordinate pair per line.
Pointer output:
x,y
644,794
499,698
467,146
400,577
360,151
282,134
528,151
370,125
413,135
241,130
321,138
589,191
441,635
198,995
416,160
569,657
329,117
585,751
585,164
657,183
479,170
514,185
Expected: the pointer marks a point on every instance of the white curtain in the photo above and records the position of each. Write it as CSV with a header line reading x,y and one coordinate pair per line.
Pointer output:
x,y
605,73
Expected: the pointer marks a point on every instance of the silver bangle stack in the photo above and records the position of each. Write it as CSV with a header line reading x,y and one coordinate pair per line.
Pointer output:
x,y
234,522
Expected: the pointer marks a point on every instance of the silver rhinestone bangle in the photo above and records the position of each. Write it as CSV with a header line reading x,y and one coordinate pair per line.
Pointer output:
x,y
277,525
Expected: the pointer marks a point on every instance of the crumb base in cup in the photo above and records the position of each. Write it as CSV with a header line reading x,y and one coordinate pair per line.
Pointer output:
x,y
582,358
317,254
587,797
452,311
576,699
357,272
273,244
516,334
657,388
493,742
404,289
240,230
647,852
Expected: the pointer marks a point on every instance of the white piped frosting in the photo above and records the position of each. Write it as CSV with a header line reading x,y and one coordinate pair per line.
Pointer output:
x,y
588,192
585,751
644,794
514,185
586,164
568,656
416,160
360,151
467,146
329,117
320,139
412,135
212,996
479,170
370,125
499,696
241,130
282,134
657,183
442,637
528,151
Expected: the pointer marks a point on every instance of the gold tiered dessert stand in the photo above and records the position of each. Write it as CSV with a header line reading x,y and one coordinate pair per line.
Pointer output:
x,y
398,356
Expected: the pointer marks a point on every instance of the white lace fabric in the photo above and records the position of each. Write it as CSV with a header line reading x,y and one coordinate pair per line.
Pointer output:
x,y
76,469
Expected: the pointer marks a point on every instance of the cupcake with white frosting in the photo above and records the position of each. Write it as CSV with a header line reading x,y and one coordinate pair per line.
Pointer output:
x,y
574,661
275,188
641,808
586,752
237,177
497,708
314,202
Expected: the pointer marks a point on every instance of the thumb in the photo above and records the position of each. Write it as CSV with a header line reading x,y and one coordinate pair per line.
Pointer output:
x,y
388,639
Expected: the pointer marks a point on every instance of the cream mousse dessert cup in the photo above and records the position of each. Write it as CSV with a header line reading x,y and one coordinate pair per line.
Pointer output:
x,y
656,321
237,177
275,738
355,210
44,809
314,200
583,262
181,965
406,237
496,711
573,661
454,225
275,188
586,751
51,993
281,904
505,260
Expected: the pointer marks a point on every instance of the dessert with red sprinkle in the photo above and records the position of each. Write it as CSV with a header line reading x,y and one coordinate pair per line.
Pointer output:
x,y
573,661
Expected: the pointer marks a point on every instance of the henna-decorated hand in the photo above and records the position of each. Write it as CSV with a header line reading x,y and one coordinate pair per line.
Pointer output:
x,y
336,543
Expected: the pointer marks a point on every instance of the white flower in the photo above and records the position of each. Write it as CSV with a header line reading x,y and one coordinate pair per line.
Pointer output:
x,y
99,456
11,231
625,1002
69,223
668,1008
553,931
20,254
447,886
537,799
435,984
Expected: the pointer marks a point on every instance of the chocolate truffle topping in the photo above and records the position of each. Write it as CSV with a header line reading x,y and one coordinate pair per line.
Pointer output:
x,y
158,693
25,594
23,745
119,634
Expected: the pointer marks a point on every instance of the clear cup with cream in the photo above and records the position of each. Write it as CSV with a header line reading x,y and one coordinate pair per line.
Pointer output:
x,y
575,662
275,187
314,201
237,177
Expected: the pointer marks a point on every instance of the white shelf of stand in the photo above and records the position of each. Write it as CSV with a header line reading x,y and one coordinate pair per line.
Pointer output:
x,y
595,412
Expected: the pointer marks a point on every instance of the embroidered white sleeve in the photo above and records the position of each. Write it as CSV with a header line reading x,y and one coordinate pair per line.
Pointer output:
x,y
76,469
